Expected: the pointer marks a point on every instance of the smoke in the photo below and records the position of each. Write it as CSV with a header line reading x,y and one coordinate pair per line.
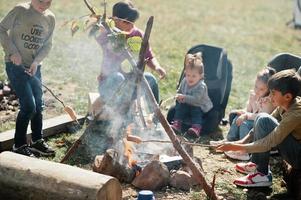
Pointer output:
x,y
81,57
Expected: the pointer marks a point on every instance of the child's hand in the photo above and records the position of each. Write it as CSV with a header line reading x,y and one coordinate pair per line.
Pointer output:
x,y
180,98
16,59
161,72
33,69
241,119
230,146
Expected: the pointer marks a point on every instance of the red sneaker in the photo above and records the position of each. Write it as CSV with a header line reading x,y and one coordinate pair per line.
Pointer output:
x,y
195,130
246,168
256,179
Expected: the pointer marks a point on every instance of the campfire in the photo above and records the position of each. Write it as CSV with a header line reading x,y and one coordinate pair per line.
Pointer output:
x,y
141,159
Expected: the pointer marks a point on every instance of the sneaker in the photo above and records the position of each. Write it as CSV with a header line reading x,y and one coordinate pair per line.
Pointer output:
x,y
237,155
246,168
40,147
256,179
23,150
274,152
195,130
177,126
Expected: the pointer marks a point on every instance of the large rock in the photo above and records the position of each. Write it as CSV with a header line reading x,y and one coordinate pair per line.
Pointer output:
x,y
154,176
22,177
181,180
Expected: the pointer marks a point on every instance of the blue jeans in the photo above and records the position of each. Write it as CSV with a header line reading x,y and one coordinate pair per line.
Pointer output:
x,y
29,91
109,87
186,112
289,148
239,132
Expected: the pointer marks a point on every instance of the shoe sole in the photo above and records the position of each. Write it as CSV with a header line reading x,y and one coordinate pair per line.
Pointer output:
x,y
236,158
40,153
263,184
31,156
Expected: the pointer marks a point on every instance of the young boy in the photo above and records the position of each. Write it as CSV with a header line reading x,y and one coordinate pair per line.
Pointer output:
x,y
281,129
112,75
26,37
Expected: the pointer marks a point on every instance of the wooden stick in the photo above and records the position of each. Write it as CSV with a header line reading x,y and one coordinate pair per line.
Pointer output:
x,y
182,142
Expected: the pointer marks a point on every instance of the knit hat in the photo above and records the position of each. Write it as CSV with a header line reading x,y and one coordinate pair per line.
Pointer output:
x,y
126,11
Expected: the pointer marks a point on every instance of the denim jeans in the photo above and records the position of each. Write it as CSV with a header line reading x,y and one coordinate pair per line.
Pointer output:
x,y
289,148
109,87
239,132
29,91
186,112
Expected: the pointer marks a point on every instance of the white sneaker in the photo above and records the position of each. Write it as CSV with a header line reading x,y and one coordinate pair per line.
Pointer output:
x,y
256,179
274,152
236,155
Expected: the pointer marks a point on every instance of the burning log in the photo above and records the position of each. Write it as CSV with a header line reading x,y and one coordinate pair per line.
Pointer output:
x,y
109,164
23,178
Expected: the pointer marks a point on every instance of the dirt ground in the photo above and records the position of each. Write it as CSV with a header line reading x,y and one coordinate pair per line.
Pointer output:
x,y
223,168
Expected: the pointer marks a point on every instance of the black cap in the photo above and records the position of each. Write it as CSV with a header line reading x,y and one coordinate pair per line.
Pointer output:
x,y
126,11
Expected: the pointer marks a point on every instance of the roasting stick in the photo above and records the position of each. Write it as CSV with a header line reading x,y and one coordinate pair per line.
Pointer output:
x,y
162,103
69,110
184,142
138,140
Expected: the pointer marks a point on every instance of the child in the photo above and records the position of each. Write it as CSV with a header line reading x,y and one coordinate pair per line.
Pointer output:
x,y
192,99
243,122
26,37
281,129
124,16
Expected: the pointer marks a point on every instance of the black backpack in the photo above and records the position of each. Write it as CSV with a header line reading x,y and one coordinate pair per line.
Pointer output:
x,y
284,61
218,77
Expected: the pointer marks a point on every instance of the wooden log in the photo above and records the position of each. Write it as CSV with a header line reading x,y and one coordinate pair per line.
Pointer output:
x,y
51,126
22,177
109,164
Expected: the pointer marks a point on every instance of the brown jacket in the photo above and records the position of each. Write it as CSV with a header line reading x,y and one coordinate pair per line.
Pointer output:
x,y
289,123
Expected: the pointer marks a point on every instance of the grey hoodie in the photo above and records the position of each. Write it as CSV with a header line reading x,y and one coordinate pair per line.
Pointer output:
x,y
27,32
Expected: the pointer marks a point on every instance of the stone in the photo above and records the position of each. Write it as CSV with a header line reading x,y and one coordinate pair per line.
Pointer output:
x,y
181,180
153,176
